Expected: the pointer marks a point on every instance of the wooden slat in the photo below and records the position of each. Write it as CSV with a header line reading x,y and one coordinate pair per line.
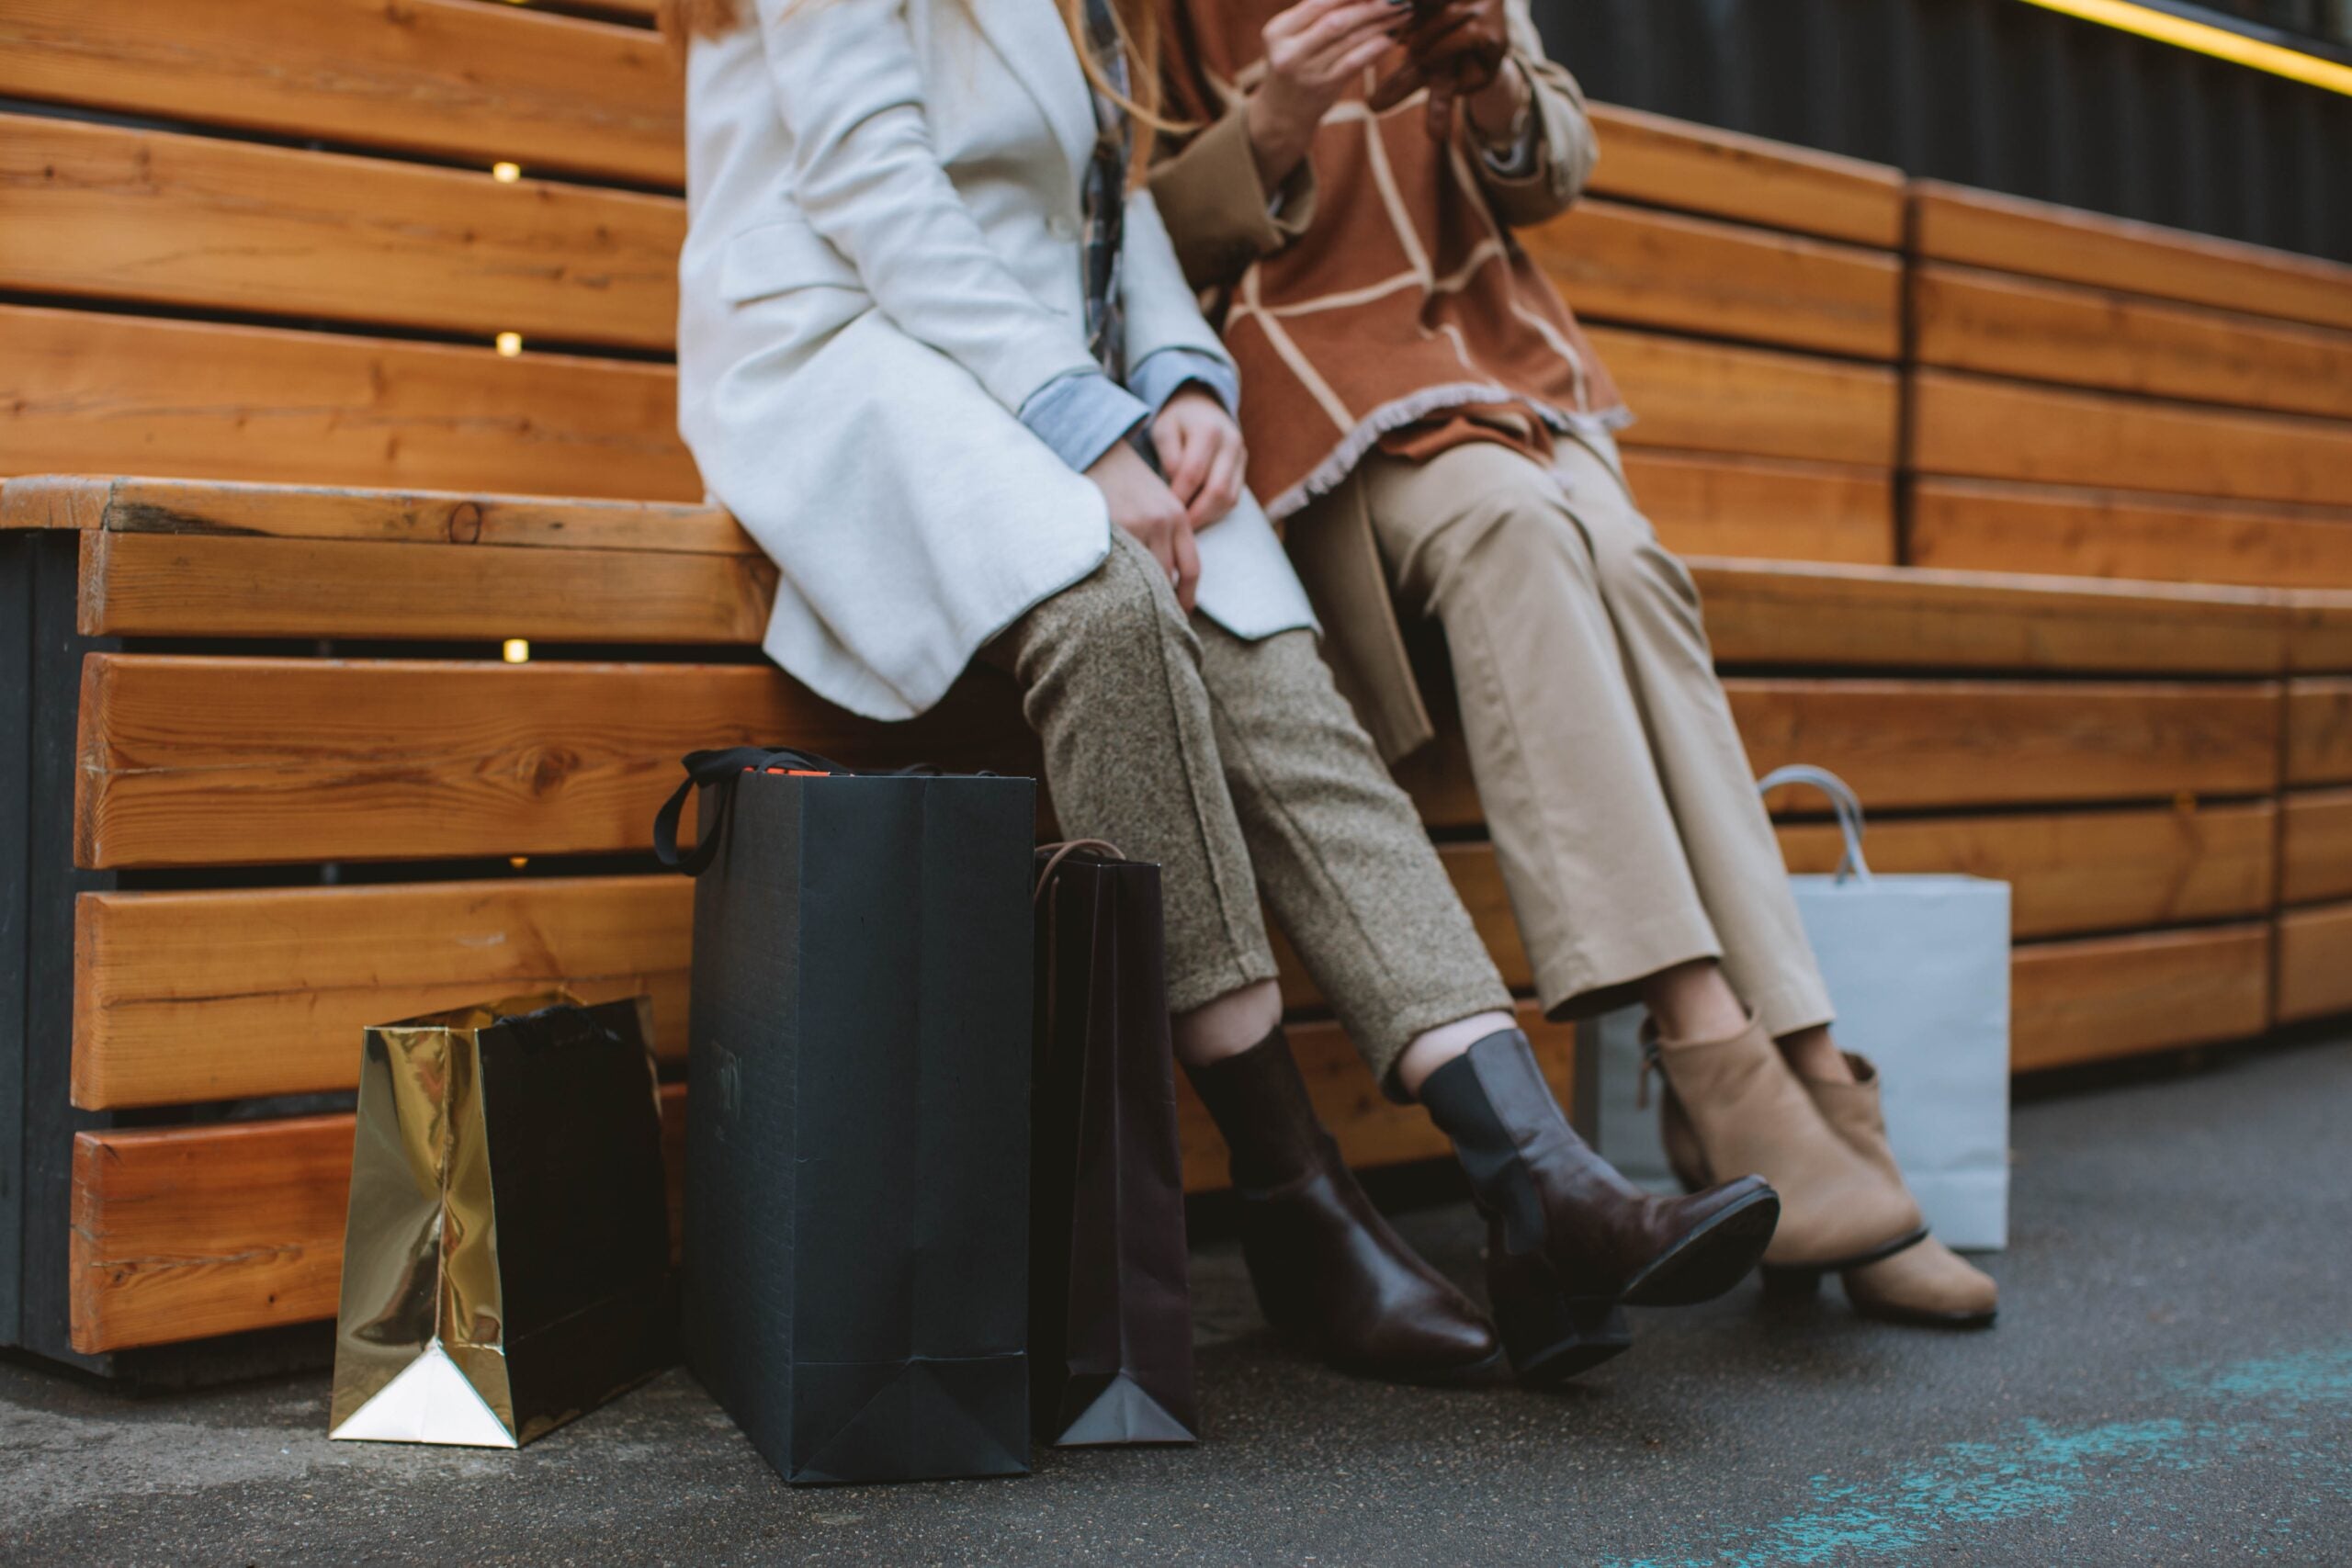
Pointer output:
x,y
1704,504
370,516
82,393
162,584
1670,163
2077,871
1963,744
197,760
1977,427
1989,525
2319,630
452,78
101,212
1758,403
2319,731
2008,234
183,1232
1880,617
2107,997
2315,852
260,991
2314,962
1659,269
1966,319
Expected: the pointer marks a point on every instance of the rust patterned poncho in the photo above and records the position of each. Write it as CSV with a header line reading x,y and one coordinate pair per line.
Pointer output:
x,y
1404,312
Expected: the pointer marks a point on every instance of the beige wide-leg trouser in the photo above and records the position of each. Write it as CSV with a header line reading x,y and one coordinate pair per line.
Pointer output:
x,y
1237,766
1614,784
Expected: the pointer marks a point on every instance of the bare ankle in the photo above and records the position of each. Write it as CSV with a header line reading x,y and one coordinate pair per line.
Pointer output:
x,y
1812,1053
1436,1047
1227,1026
1694,1002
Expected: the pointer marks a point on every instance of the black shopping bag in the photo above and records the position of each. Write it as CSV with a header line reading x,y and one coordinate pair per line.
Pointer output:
x,y
1110,1290
857,1123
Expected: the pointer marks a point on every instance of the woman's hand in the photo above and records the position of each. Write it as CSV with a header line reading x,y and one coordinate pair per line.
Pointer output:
x,y
1456,50
1142,505
1201,452
1313,51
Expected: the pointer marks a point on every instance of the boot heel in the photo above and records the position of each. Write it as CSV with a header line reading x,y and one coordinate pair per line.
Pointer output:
x,y
1782,1283
1550,1335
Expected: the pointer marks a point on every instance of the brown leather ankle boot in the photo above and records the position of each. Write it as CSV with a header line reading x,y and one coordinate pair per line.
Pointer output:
x,y
1329,1271
1927,1282
1569,1239
1736,1105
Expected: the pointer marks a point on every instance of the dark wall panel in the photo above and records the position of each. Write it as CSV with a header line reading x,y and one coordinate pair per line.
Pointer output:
x,y
1990,92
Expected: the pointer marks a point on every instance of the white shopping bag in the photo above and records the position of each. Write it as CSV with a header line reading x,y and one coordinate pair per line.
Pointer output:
x,y
1918,970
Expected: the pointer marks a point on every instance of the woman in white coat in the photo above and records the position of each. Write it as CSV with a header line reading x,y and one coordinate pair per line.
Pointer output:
x,y
936,355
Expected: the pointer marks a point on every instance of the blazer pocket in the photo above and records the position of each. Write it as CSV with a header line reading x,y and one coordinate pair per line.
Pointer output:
x,y
778,257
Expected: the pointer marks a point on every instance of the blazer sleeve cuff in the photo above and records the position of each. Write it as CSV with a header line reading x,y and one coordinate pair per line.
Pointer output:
x,y
1083,415
1217,208
1170,371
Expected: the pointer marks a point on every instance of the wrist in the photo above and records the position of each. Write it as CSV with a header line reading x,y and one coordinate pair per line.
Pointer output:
x,y
1500,111
1279,136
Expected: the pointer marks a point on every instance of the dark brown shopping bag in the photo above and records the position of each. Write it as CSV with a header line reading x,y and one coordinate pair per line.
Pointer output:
x,y
1110,1295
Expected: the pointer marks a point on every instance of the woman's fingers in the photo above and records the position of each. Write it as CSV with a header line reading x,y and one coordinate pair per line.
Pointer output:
x,y
1344,28
1221,490
1186,555
1397,86
1298,19
1190,468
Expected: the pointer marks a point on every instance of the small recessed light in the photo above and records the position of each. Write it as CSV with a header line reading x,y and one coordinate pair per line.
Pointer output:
x,y
509,345
516,651
506,174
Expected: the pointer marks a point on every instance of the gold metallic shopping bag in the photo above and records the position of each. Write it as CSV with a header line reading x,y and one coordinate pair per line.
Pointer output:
x,y
506,1260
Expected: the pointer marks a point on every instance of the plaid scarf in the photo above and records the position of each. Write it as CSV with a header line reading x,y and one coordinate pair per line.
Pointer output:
x,y
1106,198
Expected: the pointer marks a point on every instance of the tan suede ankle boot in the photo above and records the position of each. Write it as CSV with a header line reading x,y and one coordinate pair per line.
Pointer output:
x,y
1742,1111
1928,1283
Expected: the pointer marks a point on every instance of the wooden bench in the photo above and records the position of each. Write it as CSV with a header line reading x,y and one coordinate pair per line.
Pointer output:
x,y
277,782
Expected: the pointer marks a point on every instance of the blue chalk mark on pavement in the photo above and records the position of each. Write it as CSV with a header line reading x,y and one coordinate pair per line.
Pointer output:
x,y
2279,1408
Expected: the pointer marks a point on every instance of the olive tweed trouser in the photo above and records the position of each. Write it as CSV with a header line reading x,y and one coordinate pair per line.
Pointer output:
x,y
1619,796
1237,766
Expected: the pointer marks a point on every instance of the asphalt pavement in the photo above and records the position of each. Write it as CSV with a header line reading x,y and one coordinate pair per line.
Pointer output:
x,y
2171,1381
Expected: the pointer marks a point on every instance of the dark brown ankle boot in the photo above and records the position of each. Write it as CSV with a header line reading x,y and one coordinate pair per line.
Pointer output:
x,y
1569,1238
1328,1270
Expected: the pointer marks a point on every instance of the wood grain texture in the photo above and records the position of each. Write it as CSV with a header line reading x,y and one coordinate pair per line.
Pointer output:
x,y
1707,397
85,393
2314,962
2315,849
1961,744
1671,163
2075,871
183,1232
1646,268
2319,730
101,212
1962,318
2319,630
1976,427
251,992
208,760
1879,618
1705,504
2073,1002
1983,524
167,584
452,78
2008,234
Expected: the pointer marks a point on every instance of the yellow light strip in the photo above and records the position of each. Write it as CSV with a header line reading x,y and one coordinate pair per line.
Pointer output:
x,y
2219,42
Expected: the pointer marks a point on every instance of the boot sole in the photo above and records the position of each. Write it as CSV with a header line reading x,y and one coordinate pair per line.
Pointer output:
x,y
1551,1339
1909,1238
1477,1372
1712,1258
1962,1321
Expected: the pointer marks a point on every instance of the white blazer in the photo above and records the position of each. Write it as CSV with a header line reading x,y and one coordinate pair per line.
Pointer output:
x,y
882,264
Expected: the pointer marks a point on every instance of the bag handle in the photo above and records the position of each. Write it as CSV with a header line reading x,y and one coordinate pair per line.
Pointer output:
x,y
1842,799
721,768
1054,854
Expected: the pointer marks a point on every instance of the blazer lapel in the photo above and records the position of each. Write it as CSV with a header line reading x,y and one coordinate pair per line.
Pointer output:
x,y
1036,46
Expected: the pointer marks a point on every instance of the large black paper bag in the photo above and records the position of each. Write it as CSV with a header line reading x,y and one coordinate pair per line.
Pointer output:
x,y
1110,1292
857,1125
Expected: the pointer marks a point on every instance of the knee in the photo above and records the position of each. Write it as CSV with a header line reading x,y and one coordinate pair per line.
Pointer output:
x,y
1125,600
1522,526
1633,570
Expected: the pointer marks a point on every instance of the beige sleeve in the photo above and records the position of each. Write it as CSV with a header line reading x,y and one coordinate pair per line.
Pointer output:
x,y
1565,148
1216,206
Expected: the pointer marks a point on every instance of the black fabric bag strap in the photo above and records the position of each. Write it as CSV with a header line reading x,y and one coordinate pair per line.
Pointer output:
x,y
721,768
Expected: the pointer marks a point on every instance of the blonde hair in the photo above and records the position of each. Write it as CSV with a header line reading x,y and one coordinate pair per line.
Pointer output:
x,y
1137,22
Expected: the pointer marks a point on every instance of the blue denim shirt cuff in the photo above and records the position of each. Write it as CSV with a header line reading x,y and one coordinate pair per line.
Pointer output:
x,y
1083,415
1163,375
